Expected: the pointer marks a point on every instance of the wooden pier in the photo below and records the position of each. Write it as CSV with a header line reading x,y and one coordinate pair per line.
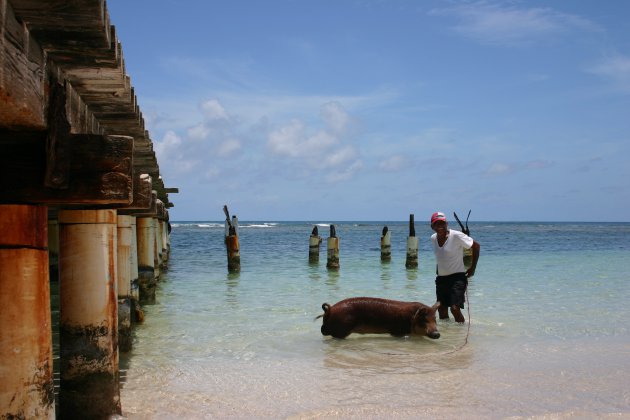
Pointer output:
x,y
82,202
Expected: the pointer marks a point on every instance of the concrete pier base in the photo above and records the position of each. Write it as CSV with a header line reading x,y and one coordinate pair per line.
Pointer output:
x,y
26,365
89,314
125,242
147,281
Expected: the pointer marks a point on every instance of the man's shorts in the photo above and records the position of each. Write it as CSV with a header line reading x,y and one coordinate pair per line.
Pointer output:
x,y
451,289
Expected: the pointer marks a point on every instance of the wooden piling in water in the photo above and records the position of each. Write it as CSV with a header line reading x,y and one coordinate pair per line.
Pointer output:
x,y
89,385
125,242
332,245
313,245
26,362
386,245
412,246
231,242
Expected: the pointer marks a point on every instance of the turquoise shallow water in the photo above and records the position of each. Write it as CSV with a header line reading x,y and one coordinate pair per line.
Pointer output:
x,y
549,332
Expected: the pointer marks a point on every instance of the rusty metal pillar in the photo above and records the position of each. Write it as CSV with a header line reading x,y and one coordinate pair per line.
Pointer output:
x,y
26,366
125,242
89,385
146,258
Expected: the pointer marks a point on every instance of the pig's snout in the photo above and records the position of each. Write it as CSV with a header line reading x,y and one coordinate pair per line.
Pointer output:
x,y
434,334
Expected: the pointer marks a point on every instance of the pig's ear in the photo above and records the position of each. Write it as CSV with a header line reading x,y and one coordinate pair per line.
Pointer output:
x,y
435,306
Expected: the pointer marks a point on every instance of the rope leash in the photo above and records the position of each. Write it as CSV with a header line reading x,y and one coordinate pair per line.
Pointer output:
x,y
448,352
468,330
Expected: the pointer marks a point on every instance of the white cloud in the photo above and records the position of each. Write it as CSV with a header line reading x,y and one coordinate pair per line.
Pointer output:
x,y
616,69
393,163
172,154
325,148
336,118
213,110
229,147
505,25
345,173
198,132
339,157
502,168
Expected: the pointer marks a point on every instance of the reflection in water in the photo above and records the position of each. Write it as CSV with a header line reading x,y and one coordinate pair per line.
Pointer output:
x,y
231,293
412,273
333,277
314,271
386,274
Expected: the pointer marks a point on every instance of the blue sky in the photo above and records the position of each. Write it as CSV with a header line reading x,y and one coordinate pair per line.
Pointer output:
x,y
373,110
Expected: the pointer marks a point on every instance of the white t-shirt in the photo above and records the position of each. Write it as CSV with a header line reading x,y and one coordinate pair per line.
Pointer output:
x,y
450,257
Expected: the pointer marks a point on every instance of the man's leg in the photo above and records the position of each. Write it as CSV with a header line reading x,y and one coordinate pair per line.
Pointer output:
x,y
457,314
443,311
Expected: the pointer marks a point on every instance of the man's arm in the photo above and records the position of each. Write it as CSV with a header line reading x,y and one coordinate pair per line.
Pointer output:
x,y
475,248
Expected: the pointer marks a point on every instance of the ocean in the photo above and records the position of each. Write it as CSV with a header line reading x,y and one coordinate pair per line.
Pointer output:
x,y
548,337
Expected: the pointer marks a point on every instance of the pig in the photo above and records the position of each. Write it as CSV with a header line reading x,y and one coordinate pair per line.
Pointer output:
x,y
369,315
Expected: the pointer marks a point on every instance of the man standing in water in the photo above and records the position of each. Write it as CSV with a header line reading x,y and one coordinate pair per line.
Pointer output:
x,y
452,277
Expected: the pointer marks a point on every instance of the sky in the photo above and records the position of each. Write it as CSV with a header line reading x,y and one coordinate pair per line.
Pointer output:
x,y
335,110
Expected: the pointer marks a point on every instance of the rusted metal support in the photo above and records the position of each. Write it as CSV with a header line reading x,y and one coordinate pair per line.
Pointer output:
x,y
412,246
89,385
386,245
231,242
125,241
26,364
313,246
146,258
333,250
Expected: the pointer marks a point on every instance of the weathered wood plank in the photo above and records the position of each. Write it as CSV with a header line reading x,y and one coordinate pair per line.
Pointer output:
x,y
142,192
151,211
22,75
100,170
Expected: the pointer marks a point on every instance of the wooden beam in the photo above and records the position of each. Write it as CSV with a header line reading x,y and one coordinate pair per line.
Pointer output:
x,y
152,211
100,170
142,193
22,75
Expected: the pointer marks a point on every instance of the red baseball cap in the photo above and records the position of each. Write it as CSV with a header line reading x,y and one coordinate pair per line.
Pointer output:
x,y
437,216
